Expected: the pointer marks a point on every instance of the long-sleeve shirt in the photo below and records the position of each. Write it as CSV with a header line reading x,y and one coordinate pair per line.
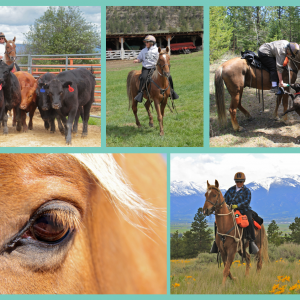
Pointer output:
x,y
2,50
275,49
242,198
149,57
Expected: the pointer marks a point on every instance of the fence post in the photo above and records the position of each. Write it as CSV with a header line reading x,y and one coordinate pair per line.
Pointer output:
x,y
29,64
67,61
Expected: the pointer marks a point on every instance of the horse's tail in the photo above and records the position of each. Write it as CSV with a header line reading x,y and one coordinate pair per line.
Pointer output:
x,y
129,92
264,245
219,94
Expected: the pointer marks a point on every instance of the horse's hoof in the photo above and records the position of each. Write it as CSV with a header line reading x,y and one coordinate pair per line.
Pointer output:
x,y
151,124
162,133
139,126
241,129
250,118
52,131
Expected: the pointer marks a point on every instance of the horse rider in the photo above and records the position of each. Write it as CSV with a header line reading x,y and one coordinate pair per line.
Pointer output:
x,y
149,56
2,45
239,197
273,56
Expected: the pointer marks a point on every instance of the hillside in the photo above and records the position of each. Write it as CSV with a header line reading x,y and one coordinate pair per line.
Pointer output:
x,y
143,19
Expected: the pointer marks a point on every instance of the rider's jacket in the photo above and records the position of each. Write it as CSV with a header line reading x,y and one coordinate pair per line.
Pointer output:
x,y
242,198
149,57
277,50
2,50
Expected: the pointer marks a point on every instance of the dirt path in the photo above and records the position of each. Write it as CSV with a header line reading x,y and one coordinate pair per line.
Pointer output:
x,y
262,131
40,137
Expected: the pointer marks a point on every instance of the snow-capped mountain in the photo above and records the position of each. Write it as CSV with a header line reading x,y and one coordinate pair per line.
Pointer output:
x,y
275,197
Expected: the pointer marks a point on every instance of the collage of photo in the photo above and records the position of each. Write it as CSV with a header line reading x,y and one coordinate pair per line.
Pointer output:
x,y
171,188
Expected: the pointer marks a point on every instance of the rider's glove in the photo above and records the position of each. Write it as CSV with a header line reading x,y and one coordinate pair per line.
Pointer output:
x,y
234,206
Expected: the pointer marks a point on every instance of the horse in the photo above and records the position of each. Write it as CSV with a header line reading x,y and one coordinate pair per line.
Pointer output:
x,y
237,74
10,54
83,224
159,89
225,220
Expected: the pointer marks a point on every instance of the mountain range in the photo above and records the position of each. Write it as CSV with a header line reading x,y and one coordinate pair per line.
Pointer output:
x,y
274,198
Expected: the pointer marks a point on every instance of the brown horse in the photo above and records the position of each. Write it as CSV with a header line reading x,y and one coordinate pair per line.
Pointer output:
x,y
233,243
159,90
11,54
83,224
237,74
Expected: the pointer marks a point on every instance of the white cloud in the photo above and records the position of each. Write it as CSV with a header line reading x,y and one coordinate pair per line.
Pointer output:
x,y
15,20
202,167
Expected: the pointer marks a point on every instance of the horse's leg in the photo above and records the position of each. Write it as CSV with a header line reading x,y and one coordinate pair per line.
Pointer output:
x,y
241,108
247,257
134,109
147,105
162,107
285,102
235,99
226,272
278,101
159,117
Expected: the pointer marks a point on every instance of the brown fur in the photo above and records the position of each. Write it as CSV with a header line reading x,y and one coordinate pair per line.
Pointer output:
x,y
224,224
11,50
160,101
107,255
237,74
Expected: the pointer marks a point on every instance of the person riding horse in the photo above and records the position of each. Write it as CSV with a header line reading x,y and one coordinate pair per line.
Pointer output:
x,y
149,56
2,45
239,197
273,56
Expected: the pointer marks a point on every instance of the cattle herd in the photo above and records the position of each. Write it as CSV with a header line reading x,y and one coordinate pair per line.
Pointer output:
x,y
63,97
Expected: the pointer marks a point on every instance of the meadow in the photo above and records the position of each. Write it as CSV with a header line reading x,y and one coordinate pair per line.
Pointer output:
x,y
184,129
201,275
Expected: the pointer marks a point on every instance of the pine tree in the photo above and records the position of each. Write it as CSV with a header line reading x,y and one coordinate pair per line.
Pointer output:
x,y
295,234
202,234
175,245
274,235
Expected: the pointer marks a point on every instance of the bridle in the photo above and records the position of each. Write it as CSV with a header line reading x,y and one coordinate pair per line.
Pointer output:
x,y
162,67
216,205
12,58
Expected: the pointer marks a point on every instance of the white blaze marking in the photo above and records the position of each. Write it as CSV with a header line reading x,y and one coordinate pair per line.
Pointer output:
x,y
209,192
10,44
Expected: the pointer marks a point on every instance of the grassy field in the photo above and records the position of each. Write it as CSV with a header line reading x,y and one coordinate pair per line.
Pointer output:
x,y
202,275
184,129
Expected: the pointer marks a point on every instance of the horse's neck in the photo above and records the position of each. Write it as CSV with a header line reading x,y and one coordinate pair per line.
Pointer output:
x,y
224,219
161,80
7,60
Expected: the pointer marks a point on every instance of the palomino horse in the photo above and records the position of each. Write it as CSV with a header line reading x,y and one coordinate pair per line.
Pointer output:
x,y
83,223
237,74
225,221
11,54
159,89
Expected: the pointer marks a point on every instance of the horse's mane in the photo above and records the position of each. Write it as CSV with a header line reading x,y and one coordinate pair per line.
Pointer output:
x,y
110,176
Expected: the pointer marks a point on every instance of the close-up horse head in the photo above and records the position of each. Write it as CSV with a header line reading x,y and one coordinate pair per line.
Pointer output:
x,y
213,198
82,223
10,50
163,62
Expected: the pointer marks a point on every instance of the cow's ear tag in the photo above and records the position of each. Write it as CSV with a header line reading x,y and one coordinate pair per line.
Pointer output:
x,y
71,89
0,86
42,90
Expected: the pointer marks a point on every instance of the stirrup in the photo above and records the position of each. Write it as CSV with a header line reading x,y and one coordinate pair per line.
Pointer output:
x,y
139,97
214,248
253,249
174,95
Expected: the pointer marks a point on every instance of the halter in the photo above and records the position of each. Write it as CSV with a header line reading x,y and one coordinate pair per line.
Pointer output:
x,y
163,72
215,205
13,58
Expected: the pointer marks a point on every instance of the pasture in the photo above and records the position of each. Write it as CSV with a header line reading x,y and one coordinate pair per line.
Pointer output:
x,y
262,131
184,129
201,275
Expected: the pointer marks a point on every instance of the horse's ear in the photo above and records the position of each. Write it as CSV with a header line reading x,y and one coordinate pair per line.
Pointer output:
x,y
167,49
5,40
216,184
14,39
159,49
208,184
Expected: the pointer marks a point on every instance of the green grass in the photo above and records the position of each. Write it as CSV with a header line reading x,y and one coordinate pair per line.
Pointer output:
x,y
184,129
202,275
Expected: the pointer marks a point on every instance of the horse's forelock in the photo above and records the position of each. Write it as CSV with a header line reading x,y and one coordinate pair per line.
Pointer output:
x,y
110,177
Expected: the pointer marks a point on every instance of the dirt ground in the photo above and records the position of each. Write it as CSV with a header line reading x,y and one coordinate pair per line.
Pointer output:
x,y
263,131
40,137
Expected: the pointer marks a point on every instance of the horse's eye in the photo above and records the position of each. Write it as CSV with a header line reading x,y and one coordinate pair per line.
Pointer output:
x,y
48,229
214,195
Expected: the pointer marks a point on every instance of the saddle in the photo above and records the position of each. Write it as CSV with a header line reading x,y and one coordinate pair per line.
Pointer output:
x,y
243,222
253,60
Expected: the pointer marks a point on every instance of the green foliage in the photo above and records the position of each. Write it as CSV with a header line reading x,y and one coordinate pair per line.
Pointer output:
x,y
62,30
274,235
220,32
295,234
286,251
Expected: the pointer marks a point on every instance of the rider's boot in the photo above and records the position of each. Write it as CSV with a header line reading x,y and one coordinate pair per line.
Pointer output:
x,y
139,97
174,94
214,248
253,249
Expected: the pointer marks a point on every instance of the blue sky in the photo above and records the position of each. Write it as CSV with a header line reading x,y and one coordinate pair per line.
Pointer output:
x,y
15,20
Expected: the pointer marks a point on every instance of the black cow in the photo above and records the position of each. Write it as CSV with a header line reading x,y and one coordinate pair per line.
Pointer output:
x,y
12,95
68,92
48,114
